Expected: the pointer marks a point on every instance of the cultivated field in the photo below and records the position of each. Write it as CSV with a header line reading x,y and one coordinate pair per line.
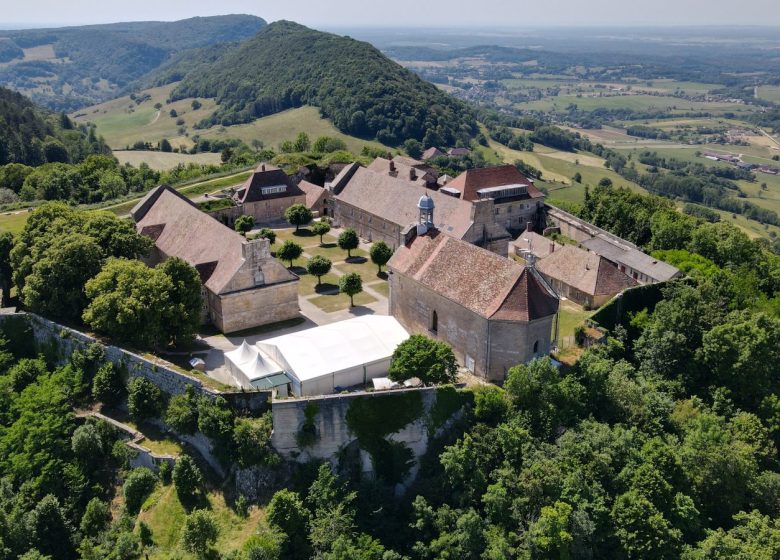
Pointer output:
x,y
634,102
163,161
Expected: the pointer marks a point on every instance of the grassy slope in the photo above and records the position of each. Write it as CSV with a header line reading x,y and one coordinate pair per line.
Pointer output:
x,y
121,122
165,516
163,161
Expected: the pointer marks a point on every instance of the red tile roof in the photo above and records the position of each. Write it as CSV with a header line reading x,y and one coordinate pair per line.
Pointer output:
x,y
182,230
483,282
314,193
472,180
585,271
431,153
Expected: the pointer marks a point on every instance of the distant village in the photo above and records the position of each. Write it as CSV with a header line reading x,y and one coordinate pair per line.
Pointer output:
x,y
474,265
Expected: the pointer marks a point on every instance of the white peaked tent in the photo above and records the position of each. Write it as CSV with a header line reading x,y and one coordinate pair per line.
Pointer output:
x,y
250,368
343,354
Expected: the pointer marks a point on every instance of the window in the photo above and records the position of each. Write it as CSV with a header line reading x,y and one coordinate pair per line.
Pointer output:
x,y
273,190
434,322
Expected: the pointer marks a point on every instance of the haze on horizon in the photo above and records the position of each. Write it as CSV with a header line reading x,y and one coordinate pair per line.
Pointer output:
x,y
403,13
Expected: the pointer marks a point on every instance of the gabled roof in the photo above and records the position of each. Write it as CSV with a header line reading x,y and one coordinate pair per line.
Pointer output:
x,y
585,271
539,245
431,153
472,180
396,201
266,175
624,253
180,229
314,193
477,279
408,169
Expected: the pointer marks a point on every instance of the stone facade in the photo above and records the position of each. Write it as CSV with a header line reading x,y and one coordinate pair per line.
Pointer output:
x,y
484,346
263,211
239,310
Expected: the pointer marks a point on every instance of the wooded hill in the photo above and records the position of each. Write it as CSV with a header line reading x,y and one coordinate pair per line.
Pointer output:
x,y
32,135
77,66
364,93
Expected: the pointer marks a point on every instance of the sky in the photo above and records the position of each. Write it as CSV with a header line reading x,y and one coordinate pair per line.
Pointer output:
x,y
331,14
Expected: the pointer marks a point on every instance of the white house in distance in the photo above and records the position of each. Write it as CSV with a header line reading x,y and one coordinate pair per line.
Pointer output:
x,y
320,360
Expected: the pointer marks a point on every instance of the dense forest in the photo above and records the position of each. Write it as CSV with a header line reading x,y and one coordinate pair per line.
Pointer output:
x,y
33,136
118,54
288,65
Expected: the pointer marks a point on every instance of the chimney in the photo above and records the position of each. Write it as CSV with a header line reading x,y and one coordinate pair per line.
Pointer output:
x,y
262,167
529,226
552,246
412,174
392,166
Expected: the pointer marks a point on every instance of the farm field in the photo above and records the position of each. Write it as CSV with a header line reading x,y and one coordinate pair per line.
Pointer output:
x,y
633,102
122,122
770,93
162,161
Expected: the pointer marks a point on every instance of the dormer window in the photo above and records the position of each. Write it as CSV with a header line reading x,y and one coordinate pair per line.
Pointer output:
x,y
273,190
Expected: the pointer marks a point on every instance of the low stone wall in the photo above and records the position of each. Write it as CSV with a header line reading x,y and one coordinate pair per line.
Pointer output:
x,y
58,342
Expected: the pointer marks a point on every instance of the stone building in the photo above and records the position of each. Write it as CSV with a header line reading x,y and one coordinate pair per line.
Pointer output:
x,y
265,195
516,201
628,258
243,285
494,312
582,276
407,169
379,206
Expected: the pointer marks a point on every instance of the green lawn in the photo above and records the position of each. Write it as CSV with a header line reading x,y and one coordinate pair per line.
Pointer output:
x,y
570,317
13,221
337,302
770,93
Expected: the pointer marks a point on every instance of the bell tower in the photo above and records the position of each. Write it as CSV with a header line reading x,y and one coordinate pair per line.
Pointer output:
x,y
425,206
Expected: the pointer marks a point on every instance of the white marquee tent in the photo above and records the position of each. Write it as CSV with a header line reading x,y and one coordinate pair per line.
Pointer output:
x,y
250,368
342,354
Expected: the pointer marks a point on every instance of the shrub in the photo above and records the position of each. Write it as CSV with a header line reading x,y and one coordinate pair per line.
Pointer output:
x,y
432,361
269,234
187,478
107,385
138,485
200,532
144,399
182,412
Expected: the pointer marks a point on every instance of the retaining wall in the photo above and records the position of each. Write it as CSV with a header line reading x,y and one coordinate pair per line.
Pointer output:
x,y
58,342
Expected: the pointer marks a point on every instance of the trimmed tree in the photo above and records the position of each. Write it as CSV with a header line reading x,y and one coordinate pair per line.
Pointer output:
x,y
267,233
380,253
348,240
298,215
432,361
244,224
351,284
289,251
318,266
320,228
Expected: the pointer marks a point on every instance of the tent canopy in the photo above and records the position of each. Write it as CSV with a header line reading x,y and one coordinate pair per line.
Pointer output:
x,y
336,347
252,363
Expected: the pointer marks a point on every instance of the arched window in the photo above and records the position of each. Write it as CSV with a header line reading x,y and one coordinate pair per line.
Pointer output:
x,y
536,347
434,322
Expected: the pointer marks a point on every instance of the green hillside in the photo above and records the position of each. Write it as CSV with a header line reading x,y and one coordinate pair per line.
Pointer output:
x,y
68,68
361,91
33,136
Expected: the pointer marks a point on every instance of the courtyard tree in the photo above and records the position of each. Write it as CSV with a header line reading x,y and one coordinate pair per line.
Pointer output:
x,y
318,266
351,284
244,224
289,251
267,233
298,215
431,361
348,240
380,253
321,228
